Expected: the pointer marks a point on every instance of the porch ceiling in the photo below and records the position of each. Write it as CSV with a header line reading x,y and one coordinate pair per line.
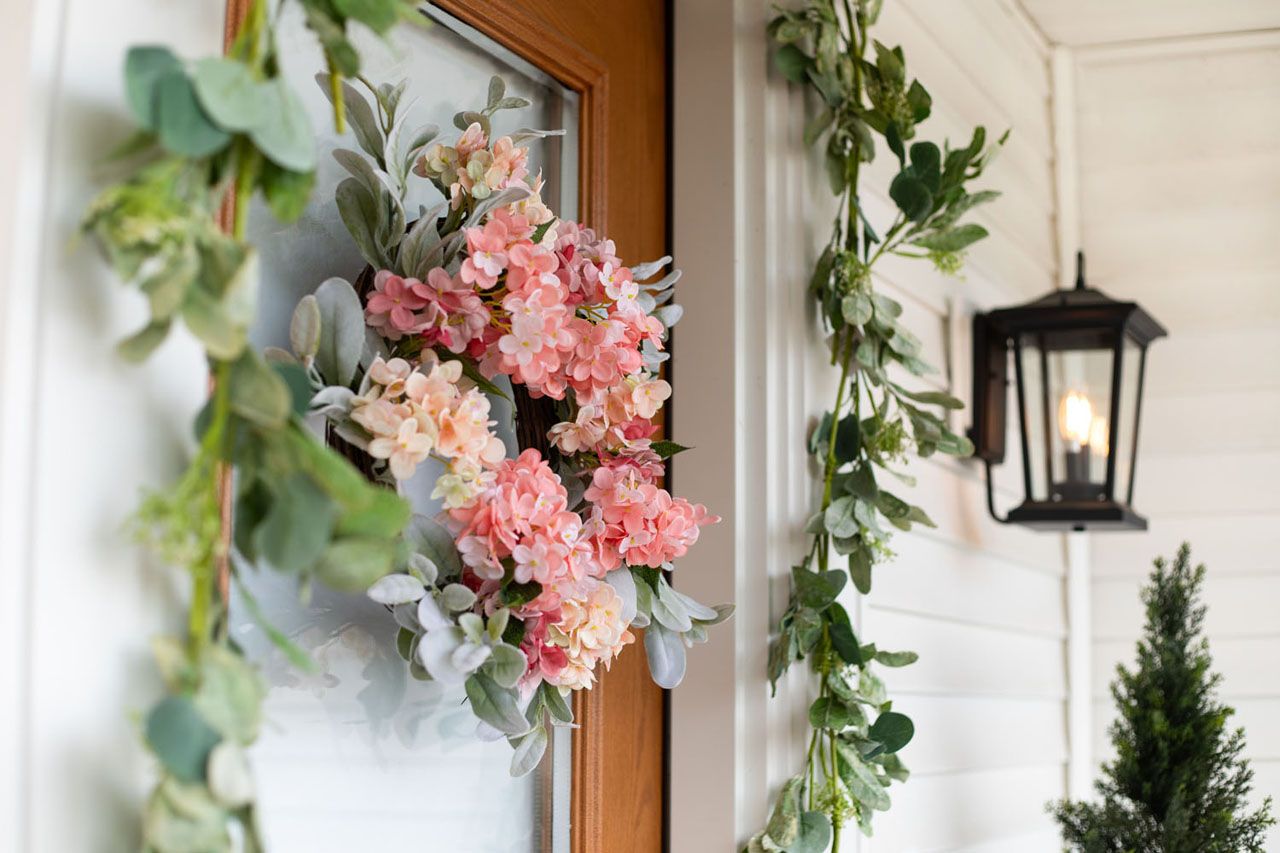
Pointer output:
x,y
1092,22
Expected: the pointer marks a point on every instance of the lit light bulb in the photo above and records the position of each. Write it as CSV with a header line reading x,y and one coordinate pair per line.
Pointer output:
x,y
1098,436
1075,418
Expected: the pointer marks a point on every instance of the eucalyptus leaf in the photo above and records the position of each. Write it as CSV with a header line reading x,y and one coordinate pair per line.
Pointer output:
x,y
228,93
297,528
284,134
183,126
181,738
144,66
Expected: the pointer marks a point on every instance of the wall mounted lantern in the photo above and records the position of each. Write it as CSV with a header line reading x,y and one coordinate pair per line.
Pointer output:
x,y
1078,359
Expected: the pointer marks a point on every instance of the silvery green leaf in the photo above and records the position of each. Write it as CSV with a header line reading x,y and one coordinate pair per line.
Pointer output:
x,y
784,823
696,634
352,433
666,655
669,610
228,93
554,701
332,401
423,569
667,282
230,780
669,315
496,705
498,624
473,626
469,656
625,585
406,616
304,328
284,132
526,134
529,751
360,213
645,302
184,817
697,611
275,355
497,89
644,597
427,536
209,320
374,347
397,589
860,779
722,611
341,331
231,694
431,615
414,248
363,171
502,198
360,114
815,833
421,137
507,665
457,597
649,269
435,653
141,344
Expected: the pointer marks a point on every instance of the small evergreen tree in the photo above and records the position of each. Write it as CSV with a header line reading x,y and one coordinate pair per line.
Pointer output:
x,y
1178,783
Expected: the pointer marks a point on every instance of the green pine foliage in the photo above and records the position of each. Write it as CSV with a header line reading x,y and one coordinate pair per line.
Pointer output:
x,y
1178,783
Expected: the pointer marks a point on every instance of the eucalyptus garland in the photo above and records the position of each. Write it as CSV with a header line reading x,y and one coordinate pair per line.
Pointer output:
x,y
206,128
863,442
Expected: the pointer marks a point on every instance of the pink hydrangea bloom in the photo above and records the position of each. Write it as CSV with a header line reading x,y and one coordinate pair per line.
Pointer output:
x,y
392,305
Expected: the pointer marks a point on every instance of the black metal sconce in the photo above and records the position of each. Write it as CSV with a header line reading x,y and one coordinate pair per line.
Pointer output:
x,y
1078,358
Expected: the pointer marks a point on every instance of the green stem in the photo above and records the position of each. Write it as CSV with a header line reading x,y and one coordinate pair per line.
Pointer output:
x,y
205,570
337,95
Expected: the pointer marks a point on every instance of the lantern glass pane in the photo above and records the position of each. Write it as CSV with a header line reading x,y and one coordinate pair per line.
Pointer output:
x,y
1067,391
1127,423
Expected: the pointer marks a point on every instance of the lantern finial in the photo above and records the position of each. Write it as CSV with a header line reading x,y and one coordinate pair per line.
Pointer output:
x,y
1079,270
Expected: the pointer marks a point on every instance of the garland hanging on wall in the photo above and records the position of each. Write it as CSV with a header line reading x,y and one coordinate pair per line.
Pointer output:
x,y
540,566
876,422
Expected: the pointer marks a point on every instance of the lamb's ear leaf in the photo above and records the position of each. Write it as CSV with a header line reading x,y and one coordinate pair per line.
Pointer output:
x,y
531,747
666,654
495,704
341,331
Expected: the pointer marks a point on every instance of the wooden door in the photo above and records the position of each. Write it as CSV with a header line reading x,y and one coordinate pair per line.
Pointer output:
x,y
614,54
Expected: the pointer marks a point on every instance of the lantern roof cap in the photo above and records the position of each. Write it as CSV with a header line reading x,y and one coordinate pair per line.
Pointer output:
x,y
1077,308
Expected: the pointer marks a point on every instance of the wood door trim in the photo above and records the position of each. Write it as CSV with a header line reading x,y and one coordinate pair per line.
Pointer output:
x,y
530,38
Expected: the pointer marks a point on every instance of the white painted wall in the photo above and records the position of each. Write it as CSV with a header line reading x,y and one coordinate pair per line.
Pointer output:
x,y
1179,146
983,604
80,434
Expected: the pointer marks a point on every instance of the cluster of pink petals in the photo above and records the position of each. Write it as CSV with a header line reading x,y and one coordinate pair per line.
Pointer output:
x,y
470,168
635,521
412,413
569,323
522,521
444,310
621,422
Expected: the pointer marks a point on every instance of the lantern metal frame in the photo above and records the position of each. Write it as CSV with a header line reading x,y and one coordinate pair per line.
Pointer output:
x,y
1079,319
